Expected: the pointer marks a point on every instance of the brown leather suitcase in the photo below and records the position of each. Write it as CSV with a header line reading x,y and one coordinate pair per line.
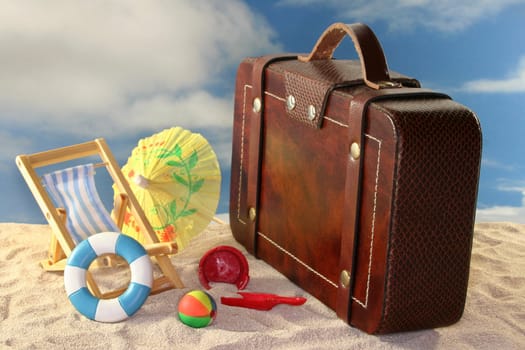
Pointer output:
x,y
356,184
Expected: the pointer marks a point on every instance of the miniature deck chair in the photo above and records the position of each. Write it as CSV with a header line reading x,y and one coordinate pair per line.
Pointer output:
x,y
79,211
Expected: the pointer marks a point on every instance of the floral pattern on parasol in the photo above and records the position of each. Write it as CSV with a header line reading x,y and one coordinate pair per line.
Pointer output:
x,y
176,178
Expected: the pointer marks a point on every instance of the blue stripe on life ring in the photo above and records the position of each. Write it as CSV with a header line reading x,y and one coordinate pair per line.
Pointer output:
x,y
85,302
82,256
126,247
116,309
133,298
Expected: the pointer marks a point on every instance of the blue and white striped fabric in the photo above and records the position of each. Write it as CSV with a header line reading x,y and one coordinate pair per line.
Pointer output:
x,y
74,190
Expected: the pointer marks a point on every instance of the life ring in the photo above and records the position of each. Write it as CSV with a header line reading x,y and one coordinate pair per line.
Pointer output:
x,y
123,306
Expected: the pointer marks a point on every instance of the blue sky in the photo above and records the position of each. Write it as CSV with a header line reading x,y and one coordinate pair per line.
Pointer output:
x,y
73,70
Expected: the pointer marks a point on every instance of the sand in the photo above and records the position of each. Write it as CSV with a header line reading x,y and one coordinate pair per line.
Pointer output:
x,y
36,314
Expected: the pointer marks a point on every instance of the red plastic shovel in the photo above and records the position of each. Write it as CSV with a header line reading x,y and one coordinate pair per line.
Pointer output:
x,y
261,301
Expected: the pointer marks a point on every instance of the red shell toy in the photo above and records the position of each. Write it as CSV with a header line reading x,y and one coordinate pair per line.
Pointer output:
x,y
224,264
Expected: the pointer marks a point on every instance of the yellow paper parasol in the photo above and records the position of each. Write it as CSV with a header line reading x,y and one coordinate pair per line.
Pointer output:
x,y
176,178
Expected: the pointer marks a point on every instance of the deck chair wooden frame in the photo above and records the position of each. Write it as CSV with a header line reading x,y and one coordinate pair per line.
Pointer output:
x,y
62,244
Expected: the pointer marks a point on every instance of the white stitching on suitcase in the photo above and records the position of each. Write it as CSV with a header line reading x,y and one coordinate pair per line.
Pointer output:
x,y
246,86
372,229
297,259
335,121
365,304
275,96
242,154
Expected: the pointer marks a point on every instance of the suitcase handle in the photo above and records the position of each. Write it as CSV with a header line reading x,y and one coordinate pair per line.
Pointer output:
x,y
371,56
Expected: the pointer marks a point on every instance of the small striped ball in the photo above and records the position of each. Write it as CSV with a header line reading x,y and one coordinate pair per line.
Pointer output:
x,y
197,309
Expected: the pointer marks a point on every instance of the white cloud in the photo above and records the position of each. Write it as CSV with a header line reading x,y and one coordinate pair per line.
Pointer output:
x,y
204,109
97,68
491,163
501,214
197,111
445,15
513,83
505,213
